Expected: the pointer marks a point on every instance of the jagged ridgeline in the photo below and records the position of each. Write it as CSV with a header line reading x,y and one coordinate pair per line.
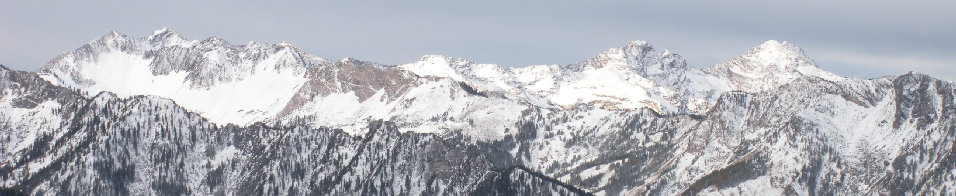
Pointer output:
x,y
164,115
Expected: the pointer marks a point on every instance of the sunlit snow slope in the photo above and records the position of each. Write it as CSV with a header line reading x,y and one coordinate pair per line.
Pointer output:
x,y
226,83
243,84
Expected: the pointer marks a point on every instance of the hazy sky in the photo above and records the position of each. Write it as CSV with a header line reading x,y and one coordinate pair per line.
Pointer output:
x,y
860,38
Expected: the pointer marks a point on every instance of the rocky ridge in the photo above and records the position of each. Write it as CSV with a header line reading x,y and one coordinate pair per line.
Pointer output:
x,y
208,117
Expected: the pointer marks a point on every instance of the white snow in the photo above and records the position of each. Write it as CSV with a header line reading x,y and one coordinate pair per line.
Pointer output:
x,y
612,80
536,79
174,40
769,66
606,85
256,97
226,154
343,110
21,127
438,104
433,65
852,124
494,75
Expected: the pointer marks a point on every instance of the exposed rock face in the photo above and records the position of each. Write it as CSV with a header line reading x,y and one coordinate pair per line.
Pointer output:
x,y
165,115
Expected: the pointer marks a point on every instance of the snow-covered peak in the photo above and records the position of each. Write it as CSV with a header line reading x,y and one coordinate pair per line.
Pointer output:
x,y
768,66
436,66
165,38
637,56
618,57
354,61
226,83
284,44
441,59
633,76
638,43
112,40
162,31
208,76
774,53
213,42
112,35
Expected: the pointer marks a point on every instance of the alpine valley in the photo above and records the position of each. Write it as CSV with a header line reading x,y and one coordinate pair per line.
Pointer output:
x,y
164,115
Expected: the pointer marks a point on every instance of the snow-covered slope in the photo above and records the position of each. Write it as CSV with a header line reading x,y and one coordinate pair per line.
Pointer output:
x,y
768,66
151,116
226,83
243,84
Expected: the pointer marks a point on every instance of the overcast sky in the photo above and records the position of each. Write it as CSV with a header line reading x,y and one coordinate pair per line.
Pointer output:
x,y
861,38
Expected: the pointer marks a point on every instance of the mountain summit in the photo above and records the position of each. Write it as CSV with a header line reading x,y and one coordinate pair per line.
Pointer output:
x,y
243,84
164,115
768,66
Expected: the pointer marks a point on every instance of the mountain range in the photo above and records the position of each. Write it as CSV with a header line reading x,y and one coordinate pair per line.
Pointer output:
x,y
167,115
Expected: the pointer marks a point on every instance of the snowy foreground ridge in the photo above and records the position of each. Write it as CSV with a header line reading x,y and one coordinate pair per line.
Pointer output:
x,y
166,115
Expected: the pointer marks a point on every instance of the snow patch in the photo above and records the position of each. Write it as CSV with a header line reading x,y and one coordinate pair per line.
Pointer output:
x,y
433,65
226,154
